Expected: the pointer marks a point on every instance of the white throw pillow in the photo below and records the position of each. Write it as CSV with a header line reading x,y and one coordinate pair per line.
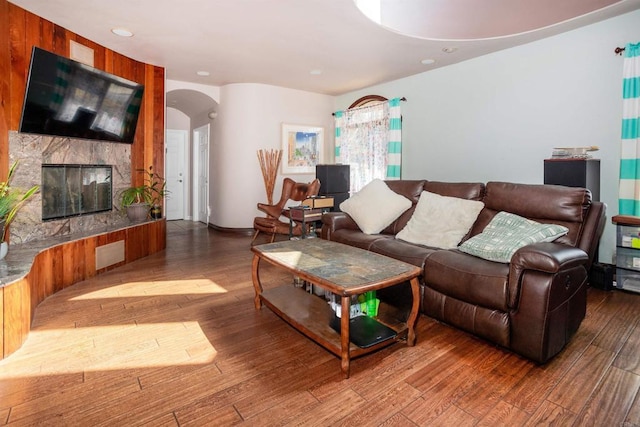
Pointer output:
x,y
375,206
440,221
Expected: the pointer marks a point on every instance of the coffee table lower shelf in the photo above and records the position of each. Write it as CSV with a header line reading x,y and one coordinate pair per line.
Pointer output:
x,y
310,315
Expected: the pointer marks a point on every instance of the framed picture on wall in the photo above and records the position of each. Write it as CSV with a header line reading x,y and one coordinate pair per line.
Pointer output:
x,y
302,148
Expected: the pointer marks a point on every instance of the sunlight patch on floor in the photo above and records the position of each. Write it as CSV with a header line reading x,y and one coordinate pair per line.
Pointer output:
x,y
108,348
155,288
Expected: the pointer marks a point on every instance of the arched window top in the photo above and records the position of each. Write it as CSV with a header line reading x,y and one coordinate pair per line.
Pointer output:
x,y
368,100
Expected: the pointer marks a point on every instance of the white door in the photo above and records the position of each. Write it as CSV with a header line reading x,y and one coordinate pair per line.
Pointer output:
x,y
175,171
201,152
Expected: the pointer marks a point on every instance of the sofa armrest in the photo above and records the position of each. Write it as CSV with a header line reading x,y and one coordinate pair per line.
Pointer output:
x,y
547,296
332,221
550,258
547,257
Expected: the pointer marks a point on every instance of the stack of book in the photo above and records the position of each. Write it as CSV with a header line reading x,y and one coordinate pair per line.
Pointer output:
x,y
573,152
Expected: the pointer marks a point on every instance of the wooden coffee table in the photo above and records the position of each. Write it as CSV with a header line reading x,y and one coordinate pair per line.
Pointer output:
x,y
344,270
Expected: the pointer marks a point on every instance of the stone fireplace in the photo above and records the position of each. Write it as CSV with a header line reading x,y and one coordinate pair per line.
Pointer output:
x,y
36,153
73,190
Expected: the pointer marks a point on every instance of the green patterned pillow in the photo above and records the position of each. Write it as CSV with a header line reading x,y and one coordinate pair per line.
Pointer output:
x,y
506,233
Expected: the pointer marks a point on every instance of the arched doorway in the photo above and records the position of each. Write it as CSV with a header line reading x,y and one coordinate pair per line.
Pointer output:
x,y
190,118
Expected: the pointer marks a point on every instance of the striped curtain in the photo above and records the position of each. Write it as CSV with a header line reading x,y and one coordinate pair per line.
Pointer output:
x,y
394,147
369,139
629,197
338,125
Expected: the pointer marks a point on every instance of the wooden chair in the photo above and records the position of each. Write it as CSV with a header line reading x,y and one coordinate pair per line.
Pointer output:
x,y
271,224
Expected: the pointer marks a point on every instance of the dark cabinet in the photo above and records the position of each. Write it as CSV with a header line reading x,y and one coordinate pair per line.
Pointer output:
x,y
574,173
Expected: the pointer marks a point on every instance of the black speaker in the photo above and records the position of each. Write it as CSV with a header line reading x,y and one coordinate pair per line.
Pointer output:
x,y
333,179
583,173
601,276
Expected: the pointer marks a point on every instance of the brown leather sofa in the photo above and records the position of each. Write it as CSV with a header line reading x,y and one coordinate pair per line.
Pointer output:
x,y
532,305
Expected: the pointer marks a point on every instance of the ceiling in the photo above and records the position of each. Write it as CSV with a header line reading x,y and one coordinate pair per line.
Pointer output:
x,y
323,46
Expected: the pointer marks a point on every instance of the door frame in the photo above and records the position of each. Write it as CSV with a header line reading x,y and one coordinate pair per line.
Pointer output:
x,y
195,208
185,168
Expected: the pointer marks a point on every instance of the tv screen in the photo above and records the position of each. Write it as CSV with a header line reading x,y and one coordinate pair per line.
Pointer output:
x,y
67,98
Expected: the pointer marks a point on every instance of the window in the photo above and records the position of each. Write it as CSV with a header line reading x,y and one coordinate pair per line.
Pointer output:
x,y
368,101
368,138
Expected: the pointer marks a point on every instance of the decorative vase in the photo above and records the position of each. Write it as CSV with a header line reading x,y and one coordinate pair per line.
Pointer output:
x,y
137,212
4,248
156,212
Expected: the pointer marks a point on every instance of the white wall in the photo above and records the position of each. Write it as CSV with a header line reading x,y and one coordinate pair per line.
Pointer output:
x,y
499,116
249,118
211,91
177,120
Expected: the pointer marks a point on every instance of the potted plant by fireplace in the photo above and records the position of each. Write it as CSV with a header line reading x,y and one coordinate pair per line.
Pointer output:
x,y
138,201
158,190
135,202
11,200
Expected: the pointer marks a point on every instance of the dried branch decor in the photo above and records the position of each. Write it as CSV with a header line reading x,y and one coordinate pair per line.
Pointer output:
x,y
269,163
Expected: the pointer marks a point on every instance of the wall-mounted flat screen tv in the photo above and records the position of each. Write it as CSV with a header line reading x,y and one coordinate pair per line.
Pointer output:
x,y
67,98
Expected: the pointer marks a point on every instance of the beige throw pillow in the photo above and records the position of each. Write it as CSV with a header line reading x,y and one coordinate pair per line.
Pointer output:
x,y
375,206
440,221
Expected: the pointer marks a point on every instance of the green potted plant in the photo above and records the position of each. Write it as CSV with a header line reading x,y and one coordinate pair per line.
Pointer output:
x,y
138,201
158,191
11,200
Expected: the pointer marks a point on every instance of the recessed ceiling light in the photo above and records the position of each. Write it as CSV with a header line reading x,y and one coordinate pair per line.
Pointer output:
x,y
122,32
315,72
203,73
449,49
428,61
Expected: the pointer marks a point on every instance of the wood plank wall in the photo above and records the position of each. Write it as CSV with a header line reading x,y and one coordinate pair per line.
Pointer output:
x,y
59,267
20,30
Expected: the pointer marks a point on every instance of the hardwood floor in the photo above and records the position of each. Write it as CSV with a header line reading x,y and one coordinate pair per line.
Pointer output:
x,y
174,339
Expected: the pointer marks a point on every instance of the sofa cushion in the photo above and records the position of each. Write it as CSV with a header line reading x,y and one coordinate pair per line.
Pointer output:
x,y
411,189
462,190
357,238
402,250
440,221
569,208
506,233
375,206
467,278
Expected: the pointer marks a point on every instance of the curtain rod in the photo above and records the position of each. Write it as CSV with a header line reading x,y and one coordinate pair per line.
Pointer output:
x,y
619,50
401,99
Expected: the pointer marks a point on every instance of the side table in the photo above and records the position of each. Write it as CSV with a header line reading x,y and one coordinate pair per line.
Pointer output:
x,y
303,215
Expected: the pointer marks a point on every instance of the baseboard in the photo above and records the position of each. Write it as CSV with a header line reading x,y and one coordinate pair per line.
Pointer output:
x,y
242,231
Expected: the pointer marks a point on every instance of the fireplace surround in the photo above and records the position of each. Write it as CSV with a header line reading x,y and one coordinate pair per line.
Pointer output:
x,y
36,151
